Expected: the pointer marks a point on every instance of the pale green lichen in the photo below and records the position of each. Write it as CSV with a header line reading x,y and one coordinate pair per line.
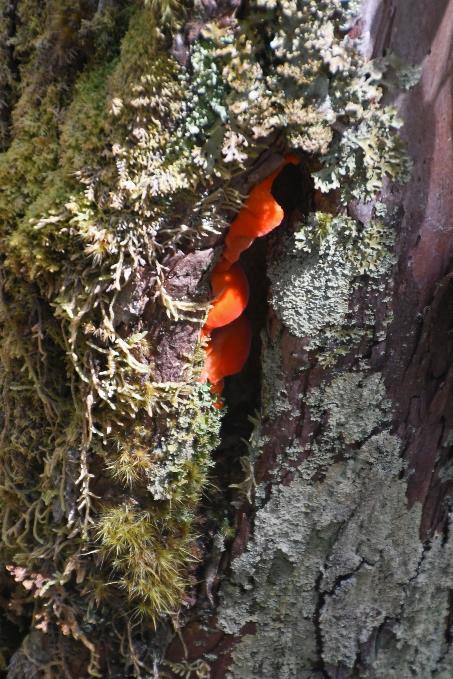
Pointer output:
x,y
274,396
367,152
311,290
336,553
312,283
355,404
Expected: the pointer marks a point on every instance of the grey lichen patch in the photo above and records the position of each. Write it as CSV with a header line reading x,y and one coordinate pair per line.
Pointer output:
x,y
373,558
340,539
274,391
313,280
311,290
355,404
417,645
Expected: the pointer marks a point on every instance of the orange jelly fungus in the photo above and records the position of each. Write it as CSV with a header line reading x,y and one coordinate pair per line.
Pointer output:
x,y
260,215
231,290
229,331
217,389
235,246
228,350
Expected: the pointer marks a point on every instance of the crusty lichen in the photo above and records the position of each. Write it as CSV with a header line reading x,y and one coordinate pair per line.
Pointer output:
x,y
310,290
314,279
274,390
336,554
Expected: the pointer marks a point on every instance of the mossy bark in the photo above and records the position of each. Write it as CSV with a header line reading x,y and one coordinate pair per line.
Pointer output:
x,y
304,533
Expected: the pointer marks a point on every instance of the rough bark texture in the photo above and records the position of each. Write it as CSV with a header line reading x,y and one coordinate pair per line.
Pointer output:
x,y
311,537
348,568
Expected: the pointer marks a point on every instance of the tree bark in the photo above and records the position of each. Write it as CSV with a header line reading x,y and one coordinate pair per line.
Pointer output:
x,y
344,569
303,532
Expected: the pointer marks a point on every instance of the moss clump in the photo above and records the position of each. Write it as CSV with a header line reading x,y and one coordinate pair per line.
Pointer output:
x,y
142,547
148,543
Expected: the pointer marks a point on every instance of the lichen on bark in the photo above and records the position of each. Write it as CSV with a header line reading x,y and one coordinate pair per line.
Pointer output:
x,y
118,162
336,554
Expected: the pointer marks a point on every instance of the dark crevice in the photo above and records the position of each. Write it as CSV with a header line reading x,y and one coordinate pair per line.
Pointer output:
x,y
449,621
227,502
446,524
320,601
448,634
13,626
242,391
425,550
345,577
7,95
291,189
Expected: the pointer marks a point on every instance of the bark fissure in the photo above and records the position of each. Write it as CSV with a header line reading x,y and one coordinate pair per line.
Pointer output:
x,y
320,665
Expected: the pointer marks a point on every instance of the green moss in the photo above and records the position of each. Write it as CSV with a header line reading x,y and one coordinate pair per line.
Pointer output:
x,y
31,157
170,12
150,557
151,548
84,131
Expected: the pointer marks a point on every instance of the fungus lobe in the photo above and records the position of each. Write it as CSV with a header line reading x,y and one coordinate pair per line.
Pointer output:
x,y
228,330
227,350
260,215
231,290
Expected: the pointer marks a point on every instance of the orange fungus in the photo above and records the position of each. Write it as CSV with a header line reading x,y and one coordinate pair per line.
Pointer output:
x,y
226,327
260,220
218,387
231,290
235,246
217,390
228,350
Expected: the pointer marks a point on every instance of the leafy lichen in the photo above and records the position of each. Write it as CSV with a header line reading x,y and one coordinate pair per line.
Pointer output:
x,y
314,279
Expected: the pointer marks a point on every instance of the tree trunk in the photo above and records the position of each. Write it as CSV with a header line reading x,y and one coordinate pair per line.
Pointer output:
x,y
303,530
